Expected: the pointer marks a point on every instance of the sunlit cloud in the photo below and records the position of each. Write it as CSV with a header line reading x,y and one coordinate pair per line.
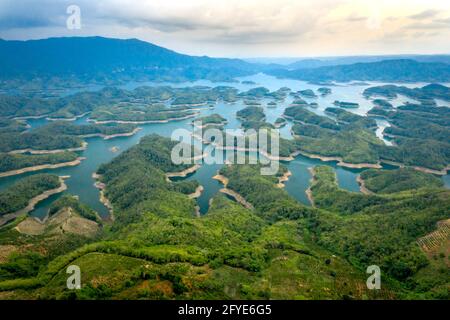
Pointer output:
x,y
245,27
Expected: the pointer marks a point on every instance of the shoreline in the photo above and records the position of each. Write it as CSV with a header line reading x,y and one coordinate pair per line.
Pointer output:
x,y
197,193
143,122
34,201
341,162
182,174
33,151
284,178
217,125
103,199
236,196
112,136
362,186
42,167
309,191
68,119
442,172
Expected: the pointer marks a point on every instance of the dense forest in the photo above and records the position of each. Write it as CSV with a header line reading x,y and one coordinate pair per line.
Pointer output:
x,y
17,196
10,162
157,247
388,181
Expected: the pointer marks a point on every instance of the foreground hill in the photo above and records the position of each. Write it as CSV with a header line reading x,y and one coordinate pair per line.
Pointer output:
x,y
158,248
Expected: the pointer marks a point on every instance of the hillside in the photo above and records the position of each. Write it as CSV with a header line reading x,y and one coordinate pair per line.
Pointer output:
x,y
96,58
387,70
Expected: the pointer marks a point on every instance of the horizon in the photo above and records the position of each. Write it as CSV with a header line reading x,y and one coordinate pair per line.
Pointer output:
x,y
255,58
280,29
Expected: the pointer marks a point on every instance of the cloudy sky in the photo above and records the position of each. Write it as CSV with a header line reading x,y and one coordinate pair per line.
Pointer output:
x,y
245,28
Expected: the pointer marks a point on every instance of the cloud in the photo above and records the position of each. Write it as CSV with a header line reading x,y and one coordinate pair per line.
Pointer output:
x,y
430,13
244,27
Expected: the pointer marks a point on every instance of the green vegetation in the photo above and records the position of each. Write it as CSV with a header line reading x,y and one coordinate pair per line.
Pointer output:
x,y
37,141
390,181
346,117
400,219
253,118
349,105
420,134
17,196
280,122
324,91
132,112
300,114
9,125
395,70
421,122
185,186
68,201
424,94
68,128
9,162
327,194
299,102
308,93
213,119
417,152
158,249
383,104
251,114
272,203
353,145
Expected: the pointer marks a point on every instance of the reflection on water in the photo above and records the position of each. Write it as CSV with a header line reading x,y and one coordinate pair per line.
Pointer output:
x,y
99,150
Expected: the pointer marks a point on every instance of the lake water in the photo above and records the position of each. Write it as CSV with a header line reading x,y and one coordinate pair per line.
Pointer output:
x,y
99,150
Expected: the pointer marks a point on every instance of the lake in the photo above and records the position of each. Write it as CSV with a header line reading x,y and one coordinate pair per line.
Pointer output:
x,y
99,150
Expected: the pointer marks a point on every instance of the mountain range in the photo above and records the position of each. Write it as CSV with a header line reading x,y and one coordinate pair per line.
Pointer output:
x,y
98,58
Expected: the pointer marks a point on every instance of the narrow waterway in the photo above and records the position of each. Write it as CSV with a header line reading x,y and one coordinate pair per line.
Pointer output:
x,y
101,151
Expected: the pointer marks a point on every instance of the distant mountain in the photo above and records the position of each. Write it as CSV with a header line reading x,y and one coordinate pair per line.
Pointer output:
x,y
337,61
403,70
92,57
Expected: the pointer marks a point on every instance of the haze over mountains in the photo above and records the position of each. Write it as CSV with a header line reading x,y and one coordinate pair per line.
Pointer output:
x,y
91,58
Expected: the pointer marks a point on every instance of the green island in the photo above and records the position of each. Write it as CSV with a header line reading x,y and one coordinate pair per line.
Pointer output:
x,y
304,116
403,179
424,95
382,103
348,105
253,117
280,122
345,117
324,91
38,141
17,196
213,120
11,164
108,130
308,93
420,135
